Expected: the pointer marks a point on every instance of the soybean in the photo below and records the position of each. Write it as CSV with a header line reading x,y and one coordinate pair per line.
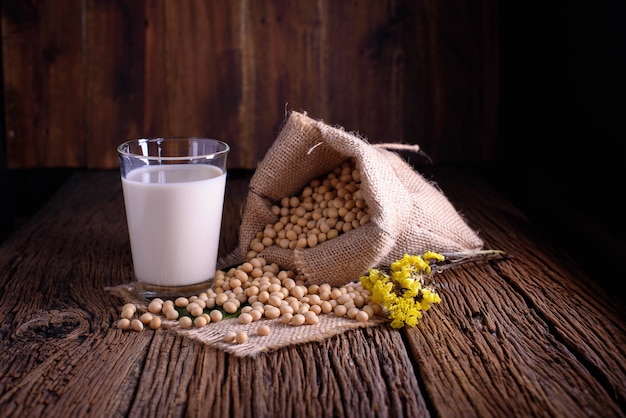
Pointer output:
x,y
185,322
155,322
332,203
146,318
123,323
267,292
241,337
264,330
136,325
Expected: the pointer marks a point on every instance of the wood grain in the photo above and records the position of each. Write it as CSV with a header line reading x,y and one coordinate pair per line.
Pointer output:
x,y
115,68
43,83
81,77
528,336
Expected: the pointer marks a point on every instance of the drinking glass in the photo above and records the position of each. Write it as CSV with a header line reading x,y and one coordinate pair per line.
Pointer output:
x,y
174,196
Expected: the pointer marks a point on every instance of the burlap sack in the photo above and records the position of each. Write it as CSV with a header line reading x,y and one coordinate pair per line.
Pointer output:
x,y
408,214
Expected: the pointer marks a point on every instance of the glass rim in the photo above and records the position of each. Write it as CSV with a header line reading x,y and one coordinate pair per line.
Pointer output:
x,y
122,149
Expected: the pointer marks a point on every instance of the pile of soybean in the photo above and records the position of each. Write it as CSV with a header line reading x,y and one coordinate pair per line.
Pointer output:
x,y
327,207
253,291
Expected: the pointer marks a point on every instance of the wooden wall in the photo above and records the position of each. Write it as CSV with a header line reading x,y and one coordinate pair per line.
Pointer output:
x,y
81,76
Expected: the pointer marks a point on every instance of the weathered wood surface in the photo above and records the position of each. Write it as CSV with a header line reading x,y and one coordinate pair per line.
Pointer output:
x,y
79,77
529,336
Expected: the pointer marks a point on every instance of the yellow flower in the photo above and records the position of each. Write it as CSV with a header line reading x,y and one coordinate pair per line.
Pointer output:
x,y
403,294
404,312
408,290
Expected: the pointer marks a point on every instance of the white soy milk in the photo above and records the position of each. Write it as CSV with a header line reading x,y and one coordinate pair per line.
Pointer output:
x,y
174,215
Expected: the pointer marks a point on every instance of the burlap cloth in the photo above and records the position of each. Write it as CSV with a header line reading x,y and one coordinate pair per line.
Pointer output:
x,y
281,335
408,213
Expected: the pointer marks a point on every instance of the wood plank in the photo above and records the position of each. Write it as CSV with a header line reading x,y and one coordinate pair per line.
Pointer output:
x,y
43,78
67,350
81,77
155,100
520,335
203,73
304,380
527,319
284,66
19,32
281,59
63,136
114,71
369,82
459,90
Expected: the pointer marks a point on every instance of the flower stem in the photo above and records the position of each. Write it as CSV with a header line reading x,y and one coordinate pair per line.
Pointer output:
x,y
453,259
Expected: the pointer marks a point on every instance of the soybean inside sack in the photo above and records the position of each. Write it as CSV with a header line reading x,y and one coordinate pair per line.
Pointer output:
x,y
408,214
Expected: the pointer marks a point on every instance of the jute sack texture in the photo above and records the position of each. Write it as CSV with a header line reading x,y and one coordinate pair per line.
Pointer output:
x,y
408,214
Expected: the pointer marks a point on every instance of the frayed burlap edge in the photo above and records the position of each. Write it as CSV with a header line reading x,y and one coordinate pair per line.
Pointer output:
x,y
281,335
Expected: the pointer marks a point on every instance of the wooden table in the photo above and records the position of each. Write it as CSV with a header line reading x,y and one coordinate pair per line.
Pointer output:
x,y
528,336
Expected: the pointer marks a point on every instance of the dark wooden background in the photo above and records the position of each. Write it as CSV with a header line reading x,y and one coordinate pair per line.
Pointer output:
x,y
532,97
82,76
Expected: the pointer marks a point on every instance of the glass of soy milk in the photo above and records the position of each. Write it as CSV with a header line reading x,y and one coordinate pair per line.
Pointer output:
x,y
174,196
